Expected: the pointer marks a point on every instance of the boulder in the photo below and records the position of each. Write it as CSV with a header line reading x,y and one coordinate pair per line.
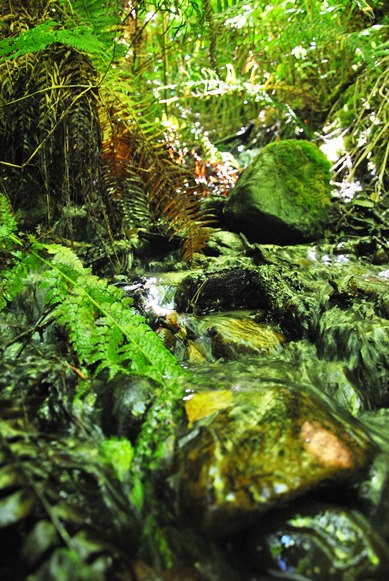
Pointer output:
x,y
316,541
247,452
283,196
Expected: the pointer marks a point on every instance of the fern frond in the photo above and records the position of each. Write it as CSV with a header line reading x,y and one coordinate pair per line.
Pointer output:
x,y
103,328
133,156
101,16
7,219
47,33
19,264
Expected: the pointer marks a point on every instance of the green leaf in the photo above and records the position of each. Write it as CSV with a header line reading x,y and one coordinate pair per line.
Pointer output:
x,y
119,453
15,507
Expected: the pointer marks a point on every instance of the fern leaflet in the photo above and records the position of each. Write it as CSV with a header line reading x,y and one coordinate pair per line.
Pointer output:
x,y
103,327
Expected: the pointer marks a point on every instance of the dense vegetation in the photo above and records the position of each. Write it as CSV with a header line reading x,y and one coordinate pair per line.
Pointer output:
x,y
122,117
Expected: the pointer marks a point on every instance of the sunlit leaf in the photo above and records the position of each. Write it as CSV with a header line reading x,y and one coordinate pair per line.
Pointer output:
x,y
15,507
205,403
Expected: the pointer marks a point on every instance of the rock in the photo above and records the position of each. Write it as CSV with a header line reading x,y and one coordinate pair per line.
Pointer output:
x,y
283,197
361,339
225,243
122,403
316,542
167,338
366,285
225,289
264,447
232,337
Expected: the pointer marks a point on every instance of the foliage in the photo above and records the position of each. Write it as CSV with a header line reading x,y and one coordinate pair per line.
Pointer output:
x,y
139,173
106,334
86,25
17,264
50,488
87,91
119,453
285,65
7,219
85,143
42,36
103,328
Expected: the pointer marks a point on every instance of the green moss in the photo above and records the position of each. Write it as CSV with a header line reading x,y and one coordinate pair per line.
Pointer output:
x,y
305,171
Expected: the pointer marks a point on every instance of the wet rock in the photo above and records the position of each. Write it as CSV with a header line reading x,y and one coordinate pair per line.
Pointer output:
x,y
374,489
374,493
195,352
269,444
359,338
123,402
231,337
275,288
167,337
317,542
225,243
207,291
295,363
331,378
366,286
283,196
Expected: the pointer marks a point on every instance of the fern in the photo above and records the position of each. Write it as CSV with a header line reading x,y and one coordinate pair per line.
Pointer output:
x,y
103,328
18,264
101,17
47,33
7,220
138,172
107,333
89,26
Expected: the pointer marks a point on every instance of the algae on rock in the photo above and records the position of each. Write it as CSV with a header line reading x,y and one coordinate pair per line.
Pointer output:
x,y
284,195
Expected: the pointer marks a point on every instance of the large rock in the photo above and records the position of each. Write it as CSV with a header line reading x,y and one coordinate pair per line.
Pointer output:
x,y
249,451
283,196
316,541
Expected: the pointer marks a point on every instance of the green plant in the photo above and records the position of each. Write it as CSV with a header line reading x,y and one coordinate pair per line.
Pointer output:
x,y
103,328
106,334
71,133
50,488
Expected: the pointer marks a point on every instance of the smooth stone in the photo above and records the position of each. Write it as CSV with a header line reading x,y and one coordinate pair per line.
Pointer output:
x,y
268,445
242,336
225,243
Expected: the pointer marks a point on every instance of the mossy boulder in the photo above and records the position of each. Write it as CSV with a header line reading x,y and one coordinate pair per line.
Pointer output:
x,y
249,451
283,196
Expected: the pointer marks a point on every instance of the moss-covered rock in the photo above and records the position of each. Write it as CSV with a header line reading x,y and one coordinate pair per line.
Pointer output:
x,y
284,195
260,448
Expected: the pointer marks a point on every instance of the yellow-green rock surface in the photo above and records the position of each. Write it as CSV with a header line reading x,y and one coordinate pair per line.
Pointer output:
x,y
261,448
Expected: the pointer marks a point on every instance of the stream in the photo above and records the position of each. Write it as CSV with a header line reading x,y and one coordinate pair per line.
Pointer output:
x,y
283,461
275,463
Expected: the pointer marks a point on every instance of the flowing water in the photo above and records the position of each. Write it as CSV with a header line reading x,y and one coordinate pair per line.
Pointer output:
x,y
330,343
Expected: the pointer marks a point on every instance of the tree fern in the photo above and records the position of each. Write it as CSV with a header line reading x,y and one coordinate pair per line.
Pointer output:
x,y
47,33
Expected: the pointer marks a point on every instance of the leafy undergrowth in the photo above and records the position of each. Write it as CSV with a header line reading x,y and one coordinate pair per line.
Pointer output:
x,y
70,500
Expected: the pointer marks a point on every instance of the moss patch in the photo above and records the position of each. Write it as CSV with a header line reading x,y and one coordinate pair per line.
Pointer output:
x,y
305,171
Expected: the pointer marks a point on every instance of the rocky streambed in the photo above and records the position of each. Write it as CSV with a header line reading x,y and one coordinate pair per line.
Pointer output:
x,y
265,454
282,459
